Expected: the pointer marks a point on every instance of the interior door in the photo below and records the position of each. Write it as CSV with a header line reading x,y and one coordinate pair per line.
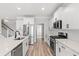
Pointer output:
x,y
40,31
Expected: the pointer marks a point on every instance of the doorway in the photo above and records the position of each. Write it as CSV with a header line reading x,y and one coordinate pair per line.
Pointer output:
x,y
31,33
40,32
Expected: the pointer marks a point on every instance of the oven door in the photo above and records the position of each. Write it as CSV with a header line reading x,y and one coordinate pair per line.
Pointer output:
x,y
53,46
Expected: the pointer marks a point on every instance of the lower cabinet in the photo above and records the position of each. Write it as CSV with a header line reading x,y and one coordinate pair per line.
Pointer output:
x,y
25,47
62,50
57,49
17,51
20,50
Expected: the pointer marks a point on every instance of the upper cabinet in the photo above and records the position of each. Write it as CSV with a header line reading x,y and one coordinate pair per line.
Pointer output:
x,y
69,16
51,24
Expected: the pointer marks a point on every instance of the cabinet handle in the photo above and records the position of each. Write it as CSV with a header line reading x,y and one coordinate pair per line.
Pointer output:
x,y
59,49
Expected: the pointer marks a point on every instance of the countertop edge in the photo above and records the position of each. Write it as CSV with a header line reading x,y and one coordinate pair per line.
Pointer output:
x,y
19,42
68,46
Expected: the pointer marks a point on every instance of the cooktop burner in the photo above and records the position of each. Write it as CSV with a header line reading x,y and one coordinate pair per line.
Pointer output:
x,y
58,37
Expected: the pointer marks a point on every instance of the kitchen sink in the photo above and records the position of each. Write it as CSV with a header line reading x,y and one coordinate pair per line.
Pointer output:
x,y
19,38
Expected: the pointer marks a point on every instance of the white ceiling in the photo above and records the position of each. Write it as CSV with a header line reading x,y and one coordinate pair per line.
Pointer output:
x,y
33,9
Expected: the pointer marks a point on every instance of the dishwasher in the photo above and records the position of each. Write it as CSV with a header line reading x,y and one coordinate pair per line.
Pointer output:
x,y
17,51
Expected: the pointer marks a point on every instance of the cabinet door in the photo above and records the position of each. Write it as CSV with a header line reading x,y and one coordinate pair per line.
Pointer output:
x,y
51,21
24,47
57,49
62,50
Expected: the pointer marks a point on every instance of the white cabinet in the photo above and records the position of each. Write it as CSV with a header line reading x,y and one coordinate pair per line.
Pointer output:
x,y
25,46
57,49
51,23
62,50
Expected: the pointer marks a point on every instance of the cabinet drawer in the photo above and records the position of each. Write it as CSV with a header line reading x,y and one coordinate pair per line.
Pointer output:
x,y
63,50
25,47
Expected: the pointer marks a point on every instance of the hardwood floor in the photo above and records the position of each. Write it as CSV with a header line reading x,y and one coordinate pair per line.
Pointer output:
x,y
39,49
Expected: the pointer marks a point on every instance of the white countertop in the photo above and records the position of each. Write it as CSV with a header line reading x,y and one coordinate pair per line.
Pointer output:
x,y
6,45
74,45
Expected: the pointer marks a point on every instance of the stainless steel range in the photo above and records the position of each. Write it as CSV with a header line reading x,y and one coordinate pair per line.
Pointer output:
x,y
53,45
53,41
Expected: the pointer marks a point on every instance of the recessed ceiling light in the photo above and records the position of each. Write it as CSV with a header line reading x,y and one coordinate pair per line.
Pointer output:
x,y
42,8
18,8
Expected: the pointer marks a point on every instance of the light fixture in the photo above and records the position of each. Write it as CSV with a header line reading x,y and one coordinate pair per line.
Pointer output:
x,y
18,8
43,9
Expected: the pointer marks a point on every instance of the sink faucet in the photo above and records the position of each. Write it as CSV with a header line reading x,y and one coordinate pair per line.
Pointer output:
x,y
17,34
